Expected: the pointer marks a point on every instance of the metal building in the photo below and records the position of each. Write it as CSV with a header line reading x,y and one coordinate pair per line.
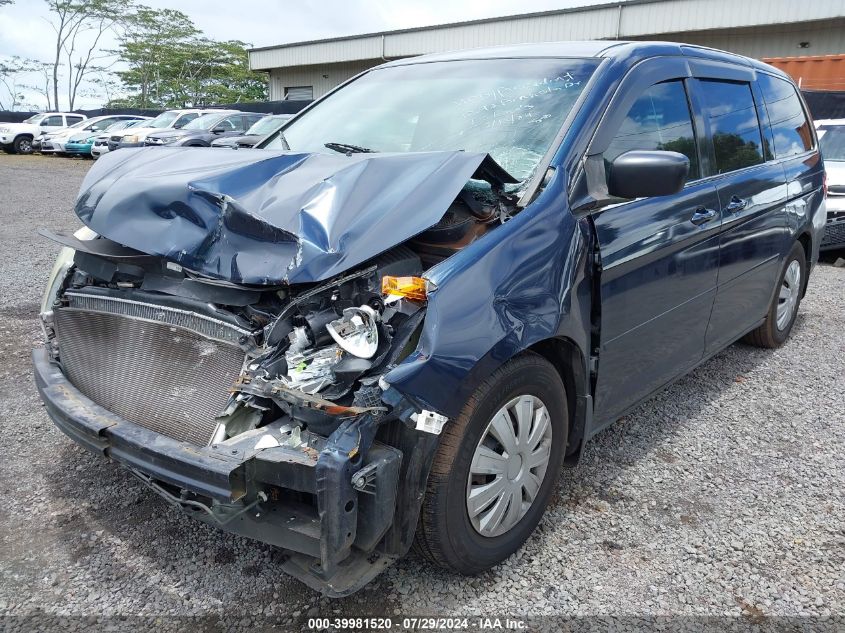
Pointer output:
x,y
757,28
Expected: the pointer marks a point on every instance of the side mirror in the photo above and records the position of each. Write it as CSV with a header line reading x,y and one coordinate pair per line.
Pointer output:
x,y
219,129
647,173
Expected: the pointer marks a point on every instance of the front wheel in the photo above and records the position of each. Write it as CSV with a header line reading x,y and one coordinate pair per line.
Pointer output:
x,y
23,145
784,308
495,468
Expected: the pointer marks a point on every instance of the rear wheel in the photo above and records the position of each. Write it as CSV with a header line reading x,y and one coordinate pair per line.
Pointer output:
x,y
23,145
781,316
495,468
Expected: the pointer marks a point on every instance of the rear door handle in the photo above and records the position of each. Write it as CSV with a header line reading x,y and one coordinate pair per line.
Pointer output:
x,y
702,215
736,205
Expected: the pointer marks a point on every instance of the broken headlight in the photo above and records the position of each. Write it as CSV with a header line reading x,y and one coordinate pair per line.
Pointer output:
x,y
64,260
311,371
356,331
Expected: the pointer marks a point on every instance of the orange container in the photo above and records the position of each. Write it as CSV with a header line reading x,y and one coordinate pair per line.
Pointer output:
x,y
817,72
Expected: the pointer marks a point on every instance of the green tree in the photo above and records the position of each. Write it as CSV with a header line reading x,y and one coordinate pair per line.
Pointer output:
x,y
152,47
170,64
218,72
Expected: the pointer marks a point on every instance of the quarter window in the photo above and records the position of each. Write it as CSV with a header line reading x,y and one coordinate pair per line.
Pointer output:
x,y
734,126
790,127
658,120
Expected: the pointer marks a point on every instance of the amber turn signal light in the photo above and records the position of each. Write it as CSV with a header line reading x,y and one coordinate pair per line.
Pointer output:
x,y
413,288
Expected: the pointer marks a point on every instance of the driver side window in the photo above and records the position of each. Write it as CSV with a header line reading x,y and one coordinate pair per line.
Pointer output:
x,y
658,120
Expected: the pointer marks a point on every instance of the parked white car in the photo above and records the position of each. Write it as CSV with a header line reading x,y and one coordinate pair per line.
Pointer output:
x,y
831,133
18,137
101,141
167,120
54,142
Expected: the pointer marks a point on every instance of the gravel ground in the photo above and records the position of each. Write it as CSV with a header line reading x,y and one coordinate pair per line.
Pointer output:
x,y
724,495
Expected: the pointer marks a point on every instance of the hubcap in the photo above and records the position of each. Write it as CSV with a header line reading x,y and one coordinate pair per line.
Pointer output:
x,y
790,289
509,465
25,146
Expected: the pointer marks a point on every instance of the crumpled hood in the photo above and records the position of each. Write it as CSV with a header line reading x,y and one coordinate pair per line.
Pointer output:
x,y
267,217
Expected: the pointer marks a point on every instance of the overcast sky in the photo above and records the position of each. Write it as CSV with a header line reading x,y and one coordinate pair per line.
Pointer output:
x,y
24,30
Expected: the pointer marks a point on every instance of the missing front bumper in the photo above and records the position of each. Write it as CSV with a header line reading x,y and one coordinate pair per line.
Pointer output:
x,y
298,496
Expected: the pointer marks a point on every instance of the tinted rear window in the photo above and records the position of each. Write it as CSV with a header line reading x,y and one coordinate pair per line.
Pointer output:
x,y
735,129
790,127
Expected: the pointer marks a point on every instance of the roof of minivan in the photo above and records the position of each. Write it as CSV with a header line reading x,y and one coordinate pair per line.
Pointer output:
x,y
630,50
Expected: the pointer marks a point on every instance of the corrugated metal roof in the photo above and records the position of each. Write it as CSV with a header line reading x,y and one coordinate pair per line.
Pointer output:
x,y
631,19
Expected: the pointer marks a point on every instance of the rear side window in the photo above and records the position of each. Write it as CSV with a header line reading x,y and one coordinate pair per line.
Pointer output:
x,y
658,120
73,119
53,121
734,126
790,127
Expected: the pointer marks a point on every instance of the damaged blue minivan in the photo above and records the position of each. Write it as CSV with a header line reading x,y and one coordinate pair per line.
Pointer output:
x,y
393,322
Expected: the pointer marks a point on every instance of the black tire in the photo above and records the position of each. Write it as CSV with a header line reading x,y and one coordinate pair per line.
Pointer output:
x,y
769,335
23,145
445,534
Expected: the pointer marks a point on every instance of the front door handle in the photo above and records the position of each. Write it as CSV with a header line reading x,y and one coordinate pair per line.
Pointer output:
x,y
736,205
702,215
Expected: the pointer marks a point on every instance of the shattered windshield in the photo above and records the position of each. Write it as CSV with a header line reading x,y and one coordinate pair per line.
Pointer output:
x,y
509,108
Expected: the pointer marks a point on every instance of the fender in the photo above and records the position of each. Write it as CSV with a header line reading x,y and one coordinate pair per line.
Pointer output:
x,y
527,282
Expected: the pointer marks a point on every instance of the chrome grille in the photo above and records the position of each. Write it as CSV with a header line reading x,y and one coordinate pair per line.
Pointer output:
x,y
166,378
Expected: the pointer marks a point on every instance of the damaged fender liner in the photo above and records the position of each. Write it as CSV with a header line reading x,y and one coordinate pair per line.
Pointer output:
x,y
336,547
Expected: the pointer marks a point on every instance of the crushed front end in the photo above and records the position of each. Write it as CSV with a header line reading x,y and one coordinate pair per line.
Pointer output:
x,y
260,408
258,411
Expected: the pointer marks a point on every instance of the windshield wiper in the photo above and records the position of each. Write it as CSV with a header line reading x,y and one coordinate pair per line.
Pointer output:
x,y
348,148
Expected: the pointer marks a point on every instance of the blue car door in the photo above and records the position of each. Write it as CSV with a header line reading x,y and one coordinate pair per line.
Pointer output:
x,y
659,256
752,190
